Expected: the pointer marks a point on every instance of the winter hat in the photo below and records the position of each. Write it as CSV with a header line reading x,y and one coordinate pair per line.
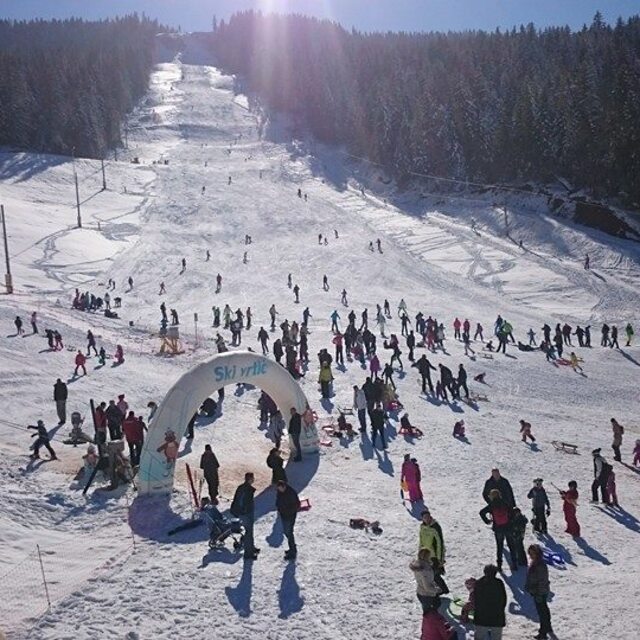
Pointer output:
x,y
538,480
40,423
596,452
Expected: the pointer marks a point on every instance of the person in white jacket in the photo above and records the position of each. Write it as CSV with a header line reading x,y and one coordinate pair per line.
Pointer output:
x,y
426,588
360,405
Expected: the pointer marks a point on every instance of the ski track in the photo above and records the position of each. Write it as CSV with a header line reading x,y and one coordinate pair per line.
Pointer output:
x,y
345,581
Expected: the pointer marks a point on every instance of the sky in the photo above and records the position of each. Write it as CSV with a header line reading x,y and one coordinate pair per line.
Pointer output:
x,y
365,15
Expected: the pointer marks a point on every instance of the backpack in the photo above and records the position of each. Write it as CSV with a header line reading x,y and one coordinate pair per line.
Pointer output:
x,y
500,516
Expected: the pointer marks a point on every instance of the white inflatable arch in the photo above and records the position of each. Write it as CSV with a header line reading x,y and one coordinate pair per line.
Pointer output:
x,y
168,425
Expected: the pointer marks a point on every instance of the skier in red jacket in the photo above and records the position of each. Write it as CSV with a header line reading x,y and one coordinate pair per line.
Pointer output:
x,y
81,360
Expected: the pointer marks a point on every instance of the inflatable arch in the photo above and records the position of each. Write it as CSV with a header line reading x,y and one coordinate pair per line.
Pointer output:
x,y
167,427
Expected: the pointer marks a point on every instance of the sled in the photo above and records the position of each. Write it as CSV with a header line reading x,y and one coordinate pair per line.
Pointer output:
x,y
478,397
565,447
552,558
414,432
347,411
455,608
485,355
305,504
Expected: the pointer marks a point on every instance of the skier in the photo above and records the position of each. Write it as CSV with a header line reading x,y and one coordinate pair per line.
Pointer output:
x,y
614,338
42,440
462,380
570,507
628,331
335,316
537,585
496,481
456,329
289,281
387,308
344,298
208,256
249,317
80,361
601,471
618,431
18,323
587,336
91,343
263,338
525,430
287,506
377,425
498,513
587,262
478,332
540,506
295,430
242,507
218,283
210,465
532,337
296,293
379,245
60,394
360,405
130,281
184,265
174,317
604,342
34,323
161,293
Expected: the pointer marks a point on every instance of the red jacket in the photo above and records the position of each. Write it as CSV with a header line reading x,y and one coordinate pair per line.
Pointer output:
x,y
80,359
101,419
435,627
133,431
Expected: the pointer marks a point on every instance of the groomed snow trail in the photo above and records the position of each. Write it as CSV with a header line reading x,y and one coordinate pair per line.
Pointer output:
x,y
345,583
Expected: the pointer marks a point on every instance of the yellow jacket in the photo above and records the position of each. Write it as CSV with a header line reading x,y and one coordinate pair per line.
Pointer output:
x,y
431,539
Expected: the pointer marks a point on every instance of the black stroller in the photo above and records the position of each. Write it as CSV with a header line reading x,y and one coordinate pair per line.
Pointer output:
x,y
222,527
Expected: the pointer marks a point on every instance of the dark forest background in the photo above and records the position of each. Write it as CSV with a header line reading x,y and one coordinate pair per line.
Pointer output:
x,y
502,107
522,105
68,84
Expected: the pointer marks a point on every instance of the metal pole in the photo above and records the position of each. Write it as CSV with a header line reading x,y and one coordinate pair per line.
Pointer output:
x,y
7,277
75,177
104,177
44,579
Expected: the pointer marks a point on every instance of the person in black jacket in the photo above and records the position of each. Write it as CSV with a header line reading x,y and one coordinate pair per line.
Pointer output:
x,y
210,465
539,505
295,429
490,600
114,420
288,505
499,514
425,367
275,463
242,507
42,440
377,425
462,380
496,481
60,394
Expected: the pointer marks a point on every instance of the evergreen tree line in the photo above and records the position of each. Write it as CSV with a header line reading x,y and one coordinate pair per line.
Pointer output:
x,y
520,105
68,84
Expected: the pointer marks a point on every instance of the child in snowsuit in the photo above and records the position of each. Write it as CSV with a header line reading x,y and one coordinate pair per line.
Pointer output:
x,y
525,430
611,489
539,505
569,508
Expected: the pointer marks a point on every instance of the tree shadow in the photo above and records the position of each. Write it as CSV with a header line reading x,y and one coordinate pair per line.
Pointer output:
x,y
240,596
289,599
590,552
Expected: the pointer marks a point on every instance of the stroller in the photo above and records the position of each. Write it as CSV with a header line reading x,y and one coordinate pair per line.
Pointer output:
x,y
222,527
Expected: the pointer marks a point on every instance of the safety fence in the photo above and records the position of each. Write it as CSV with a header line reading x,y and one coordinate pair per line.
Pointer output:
x,y
47,575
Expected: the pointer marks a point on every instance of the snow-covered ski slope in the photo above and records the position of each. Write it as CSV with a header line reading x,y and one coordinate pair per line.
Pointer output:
x,y
346,583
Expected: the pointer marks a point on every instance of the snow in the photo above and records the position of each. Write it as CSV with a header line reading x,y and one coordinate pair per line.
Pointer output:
x,y
344,581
